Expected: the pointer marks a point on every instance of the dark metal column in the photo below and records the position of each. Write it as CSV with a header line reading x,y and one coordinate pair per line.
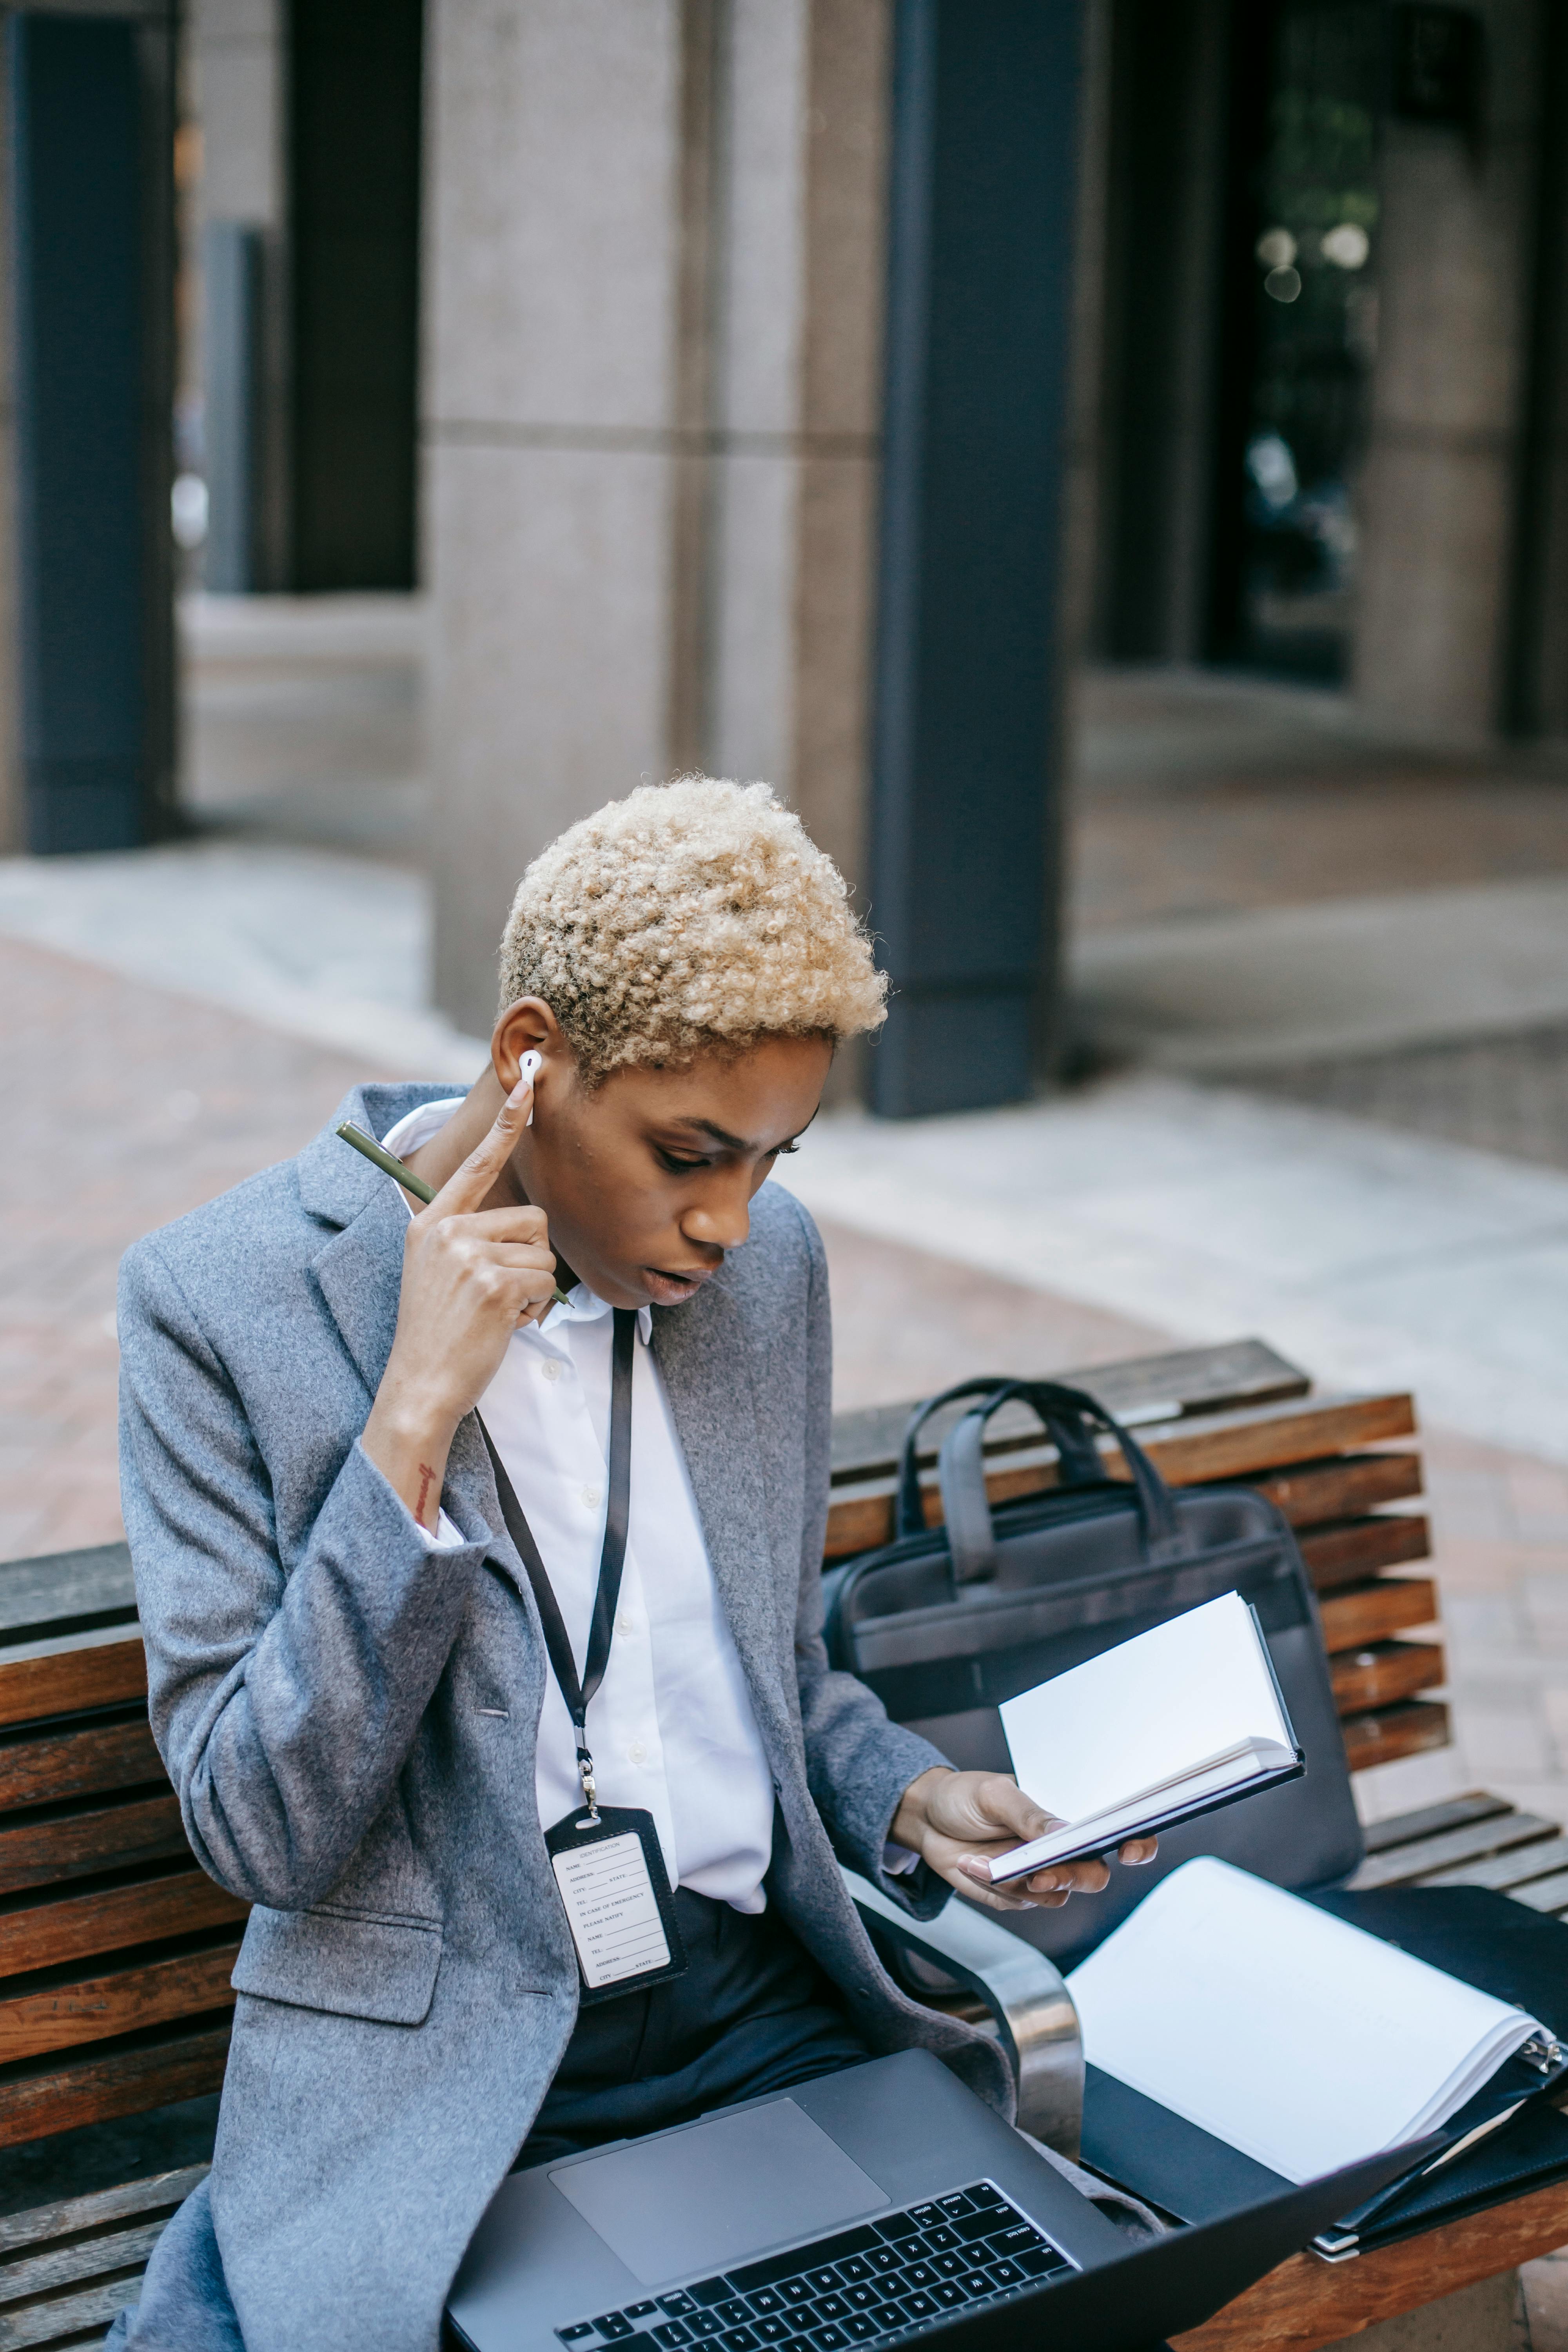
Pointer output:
x,y
966,787
232,262
91,166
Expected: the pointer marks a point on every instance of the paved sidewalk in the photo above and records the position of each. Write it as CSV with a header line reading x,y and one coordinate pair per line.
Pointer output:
x,y
126,1107
1232,993
332,949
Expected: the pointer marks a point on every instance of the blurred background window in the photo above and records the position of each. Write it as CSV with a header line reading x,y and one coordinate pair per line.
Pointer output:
x,y
1303,299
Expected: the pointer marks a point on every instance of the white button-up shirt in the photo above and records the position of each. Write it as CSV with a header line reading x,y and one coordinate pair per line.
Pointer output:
x,y
671,1727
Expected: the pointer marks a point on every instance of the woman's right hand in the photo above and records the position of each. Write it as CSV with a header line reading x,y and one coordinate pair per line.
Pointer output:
x,y
470,1276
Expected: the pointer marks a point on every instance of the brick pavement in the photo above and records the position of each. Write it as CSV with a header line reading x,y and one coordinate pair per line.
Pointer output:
x,y
126,1107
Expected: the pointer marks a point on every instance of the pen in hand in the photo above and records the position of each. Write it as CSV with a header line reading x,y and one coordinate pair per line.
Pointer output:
x,y
390,1165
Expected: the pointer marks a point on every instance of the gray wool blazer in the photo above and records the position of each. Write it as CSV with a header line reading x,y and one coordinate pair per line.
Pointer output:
x,y
325,1695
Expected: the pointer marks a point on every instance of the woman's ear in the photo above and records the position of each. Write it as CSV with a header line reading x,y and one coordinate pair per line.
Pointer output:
x,y
529,1026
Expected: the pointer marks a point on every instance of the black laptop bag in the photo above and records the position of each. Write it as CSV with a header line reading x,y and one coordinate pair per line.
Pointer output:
x,y
946,1623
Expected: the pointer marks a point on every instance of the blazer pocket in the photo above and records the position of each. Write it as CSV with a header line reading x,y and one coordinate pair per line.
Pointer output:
x,y
384,1970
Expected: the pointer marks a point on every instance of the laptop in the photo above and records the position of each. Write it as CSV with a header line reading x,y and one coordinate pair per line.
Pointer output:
x,y
880,2205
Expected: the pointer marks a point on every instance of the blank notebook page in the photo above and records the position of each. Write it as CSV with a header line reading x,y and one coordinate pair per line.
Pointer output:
x,y
1139,1715
1299,2039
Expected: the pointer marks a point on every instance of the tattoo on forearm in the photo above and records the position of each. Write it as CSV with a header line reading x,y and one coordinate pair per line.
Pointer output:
x,y
427,1480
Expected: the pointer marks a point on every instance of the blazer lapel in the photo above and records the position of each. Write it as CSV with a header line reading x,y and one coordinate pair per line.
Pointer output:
x,y
360,1267
358,1271
701,1353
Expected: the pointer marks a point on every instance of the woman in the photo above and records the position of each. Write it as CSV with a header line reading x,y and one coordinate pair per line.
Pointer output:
x,y
452,1529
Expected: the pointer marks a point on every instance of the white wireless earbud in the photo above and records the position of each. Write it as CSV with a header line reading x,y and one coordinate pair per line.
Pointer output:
x,y
526,1068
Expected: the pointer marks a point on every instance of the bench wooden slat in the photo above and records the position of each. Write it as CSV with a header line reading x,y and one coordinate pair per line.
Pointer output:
x,y
1343,1487
65,2320
1386,1672
1545,1894
1360,1614
1348,1550
35,1852
72,1681
1505,1873
1402,1865
1412,1727
1232,1445
867,1443
108,2083
159,2191
70,1592
83,1763
115,2000
1431,1821
58,2266
81,1926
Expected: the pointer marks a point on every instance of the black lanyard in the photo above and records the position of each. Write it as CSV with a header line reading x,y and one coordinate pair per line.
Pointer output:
x,y
611,1558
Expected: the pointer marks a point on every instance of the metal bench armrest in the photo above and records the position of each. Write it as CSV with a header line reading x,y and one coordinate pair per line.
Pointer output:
x,y
1036,2020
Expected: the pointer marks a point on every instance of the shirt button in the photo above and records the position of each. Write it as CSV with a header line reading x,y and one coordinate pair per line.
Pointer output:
x,y
637,1752
625,1622
590,1497
549,1370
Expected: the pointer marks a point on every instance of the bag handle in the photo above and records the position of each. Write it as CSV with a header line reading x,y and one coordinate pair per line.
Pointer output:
x,y
1080,1463
961,1473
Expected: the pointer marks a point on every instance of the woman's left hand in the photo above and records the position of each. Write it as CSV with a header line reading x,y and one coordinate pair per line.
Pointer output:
x,y
959,1822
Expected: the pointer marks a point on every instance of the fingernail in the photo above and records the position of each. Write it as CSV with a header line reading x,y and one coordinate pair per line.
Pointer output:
x,y
974,1867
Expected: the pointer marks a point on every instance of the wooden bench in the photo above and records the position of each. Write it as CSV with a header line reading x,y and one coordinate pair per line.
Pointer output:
x,y
115,1951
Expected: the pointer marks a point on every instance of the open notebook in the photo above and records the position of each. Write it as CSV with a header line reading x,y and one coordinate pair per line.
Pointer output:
x,y
1300,2040
1176,1722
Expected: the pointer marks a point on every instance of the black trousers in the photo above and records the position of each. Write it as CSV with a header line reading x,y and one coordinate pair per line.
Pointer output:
x,y
752,2013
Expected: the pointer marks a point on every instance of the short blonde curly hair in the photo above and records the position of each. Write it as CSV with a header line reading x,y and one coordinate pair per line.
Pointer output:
x,y
689,915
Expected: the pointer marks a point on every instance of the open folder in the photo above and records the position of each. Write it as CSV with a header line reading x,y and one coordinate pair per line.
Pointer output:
x,y
1367,2046
1176,1722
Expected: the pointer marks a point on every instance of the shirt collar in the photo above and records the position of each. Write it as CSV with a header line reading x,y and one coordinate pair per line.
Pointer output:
x,y
583,1305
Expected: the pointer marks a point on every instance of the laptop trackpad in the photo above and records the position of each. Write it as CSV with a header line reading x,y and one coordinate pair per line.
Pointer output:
x,y
729,2188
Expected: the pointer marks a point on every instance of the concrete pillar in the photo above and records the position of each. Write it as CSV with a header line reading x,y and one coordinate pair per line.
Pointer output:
x,y
235,76
652,389
798,403
1438,489
553,269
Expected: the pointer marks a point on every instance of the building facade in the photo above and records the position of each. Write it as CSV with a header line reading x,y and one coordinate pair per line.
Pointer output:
x,y
802,388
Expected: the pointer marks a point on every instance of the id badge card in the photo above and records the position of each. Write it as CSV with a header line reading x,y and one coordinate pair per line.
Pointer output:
x,y
617,1901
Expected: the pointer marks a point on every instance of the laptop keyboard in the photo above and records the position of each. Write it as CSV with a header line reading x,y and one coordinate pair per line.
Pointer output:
x,y
888,2279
